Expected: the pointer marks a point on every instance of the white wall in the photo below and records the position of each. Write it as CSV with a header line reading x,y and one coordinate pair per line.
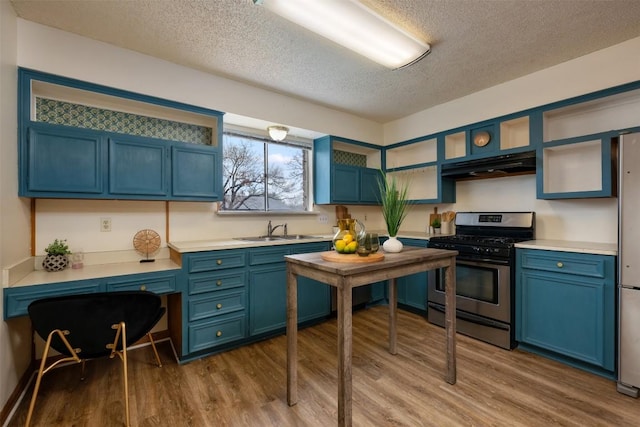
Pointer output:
x,y
15,344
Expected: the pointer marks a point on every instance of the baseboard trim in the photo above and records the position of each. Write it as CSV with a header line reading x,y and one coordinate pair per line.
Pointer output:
x,y
16,397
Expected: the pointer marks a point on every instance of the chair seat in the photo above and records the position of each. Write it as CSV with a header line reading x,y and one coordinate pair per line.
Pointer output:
x,y
89,317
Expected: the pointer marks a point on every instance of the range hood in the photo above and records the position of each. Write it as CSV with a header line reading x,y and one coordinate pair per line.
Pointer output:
x,y
492,167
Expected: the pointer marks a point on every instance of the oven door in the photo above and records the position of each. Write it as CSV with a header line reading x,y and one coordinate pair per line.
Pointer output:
x,y
482,288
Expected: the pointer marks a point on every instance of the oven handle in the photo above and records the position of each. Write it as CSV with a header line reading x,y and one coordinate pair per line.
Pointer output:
x,y
471,317
481,262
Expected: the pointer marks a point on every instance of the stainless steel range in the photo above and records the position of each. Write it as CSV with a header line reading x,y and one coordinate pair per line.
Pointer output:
x,y
485,274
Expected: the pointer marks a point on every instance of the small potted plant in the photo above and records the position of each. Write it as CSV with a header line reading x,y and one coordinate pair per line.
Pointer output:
x,y
394,209
56,259
435,224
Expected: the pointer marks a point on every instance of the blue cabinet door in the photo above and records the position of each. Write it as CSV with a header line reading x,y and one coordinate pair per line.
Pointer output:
x,y
369,186
267,298
565,304
63,160
412,289
345,187
196,172
138,166
314,299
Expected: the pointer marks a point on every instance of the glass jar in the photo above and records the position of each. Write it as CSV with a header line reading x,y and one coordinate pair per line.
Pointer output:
x,y
346,239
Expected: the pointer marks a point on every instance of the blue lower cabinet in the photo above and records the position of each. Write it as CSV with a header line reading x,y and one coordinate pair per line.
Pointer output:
x,y
412,289
378,292
213,332
267,298
314,299
565,307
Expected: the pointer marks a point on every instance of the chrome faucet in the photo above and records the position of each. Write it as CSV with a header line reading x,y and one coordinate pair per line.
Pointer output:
x,y
271,228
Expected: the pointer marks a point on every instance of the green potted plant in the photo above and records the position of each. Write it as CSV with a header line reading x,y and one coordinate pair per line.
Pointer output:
x,y
56,259
393,198
436,225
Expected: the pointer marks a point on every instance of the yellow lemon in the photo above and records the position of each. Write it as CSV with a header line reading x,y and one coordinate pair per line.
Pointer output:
x,y
340,245
348,238
352,247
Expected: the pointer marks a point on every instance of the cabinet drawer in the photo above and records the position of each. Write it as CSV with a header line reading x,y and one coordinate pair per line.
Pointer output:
x,y
216,304
17,300
310,247
588,265
216,260
158,285
200,283
208,334
269,255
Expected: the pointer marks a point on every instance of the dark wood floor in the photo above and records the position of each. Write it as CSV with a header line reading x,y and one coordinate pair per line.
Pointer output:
x,y
247,386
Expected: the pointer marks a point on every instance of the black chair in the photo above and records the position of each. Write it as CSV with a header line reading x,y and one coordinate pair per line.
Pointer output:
x,y
90,326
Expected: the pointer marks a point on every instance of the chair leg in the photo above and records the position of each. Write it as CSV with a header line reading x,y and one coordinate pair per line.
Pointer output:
x,y
121,334
34,396
42,370
155,351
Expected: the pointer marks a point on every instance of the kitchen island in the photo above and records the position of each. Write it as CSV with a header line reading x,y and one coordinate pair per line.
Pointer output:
x,y
346,276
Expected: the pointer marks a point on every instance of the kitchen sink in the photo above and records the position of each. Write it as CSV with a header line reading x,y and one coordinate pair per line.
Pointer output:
x,y
297,237
275,238
261,238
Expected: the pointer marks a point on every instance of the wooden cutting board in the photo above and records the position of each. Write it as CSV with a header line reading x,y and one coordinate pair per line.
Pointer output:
x,y
433,216
334,256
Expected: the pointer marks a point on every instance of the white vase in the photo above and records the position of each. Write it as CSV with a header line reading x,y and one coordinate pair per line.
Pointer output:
x,y
392,245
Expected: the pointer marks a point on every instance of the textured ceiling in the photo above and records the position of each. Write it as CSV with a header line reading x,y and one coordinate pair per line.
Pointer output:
x,y
475,44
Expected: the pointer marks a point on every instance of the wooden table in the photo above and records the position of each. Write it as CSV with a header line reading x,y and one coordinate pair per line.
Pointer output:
x,y
345,277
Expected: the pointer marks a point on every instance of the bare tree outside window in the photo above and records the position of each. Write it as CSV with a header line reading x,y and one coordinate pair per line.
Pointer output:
x,y
260,175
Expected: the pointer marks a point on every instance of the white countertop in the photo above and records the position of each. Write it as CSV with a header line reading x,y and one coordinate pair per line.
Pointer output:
x,y
41,277
570,246
221,244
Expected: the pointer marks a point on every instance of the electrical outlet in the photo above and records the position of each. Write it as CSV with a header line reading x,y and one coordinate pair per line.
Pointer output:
x,y
323,219
105,224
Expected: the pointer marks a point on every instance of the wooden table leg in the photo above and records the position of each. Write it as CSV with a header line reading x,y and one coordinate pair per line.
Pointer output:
x,y
345,350
450,320
292,337
393,316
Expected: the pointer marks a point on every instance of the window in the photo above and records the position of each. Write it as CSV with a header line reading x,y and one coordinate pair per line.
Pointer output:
x,y
263,175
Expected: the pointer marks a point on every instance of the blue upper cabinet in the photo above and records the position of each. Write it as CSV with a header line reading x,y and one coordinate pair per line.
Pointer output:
x,y
138,166
579,143
579,167
81,140
346,171
63,160
196,172
415,164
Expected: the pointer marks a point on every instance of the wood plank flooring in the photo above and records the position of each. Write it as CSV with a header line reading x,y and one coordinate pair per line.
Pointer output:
x,y
247,386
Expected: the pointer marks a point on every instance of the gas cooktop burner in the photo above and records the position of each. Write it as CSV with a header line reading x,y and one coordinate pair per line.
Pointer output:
x,y
463,239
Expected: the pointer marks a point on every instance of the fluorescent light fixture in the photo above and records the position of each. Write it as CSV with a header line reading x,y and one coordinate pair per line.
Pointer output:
x,y
278,133
352,25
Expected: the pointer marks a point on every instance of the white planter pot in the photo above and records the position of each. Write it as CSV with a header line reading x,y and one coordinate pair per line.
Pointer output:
x,y
393,245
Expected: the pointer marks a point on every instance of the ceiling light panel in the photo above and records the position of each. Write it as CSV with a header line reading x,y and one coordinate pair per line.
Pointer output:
x,y
354,26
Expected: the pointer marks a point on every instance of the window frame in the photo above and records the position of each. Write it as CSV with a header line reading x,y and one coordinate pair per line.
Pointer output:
x,y
290,141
